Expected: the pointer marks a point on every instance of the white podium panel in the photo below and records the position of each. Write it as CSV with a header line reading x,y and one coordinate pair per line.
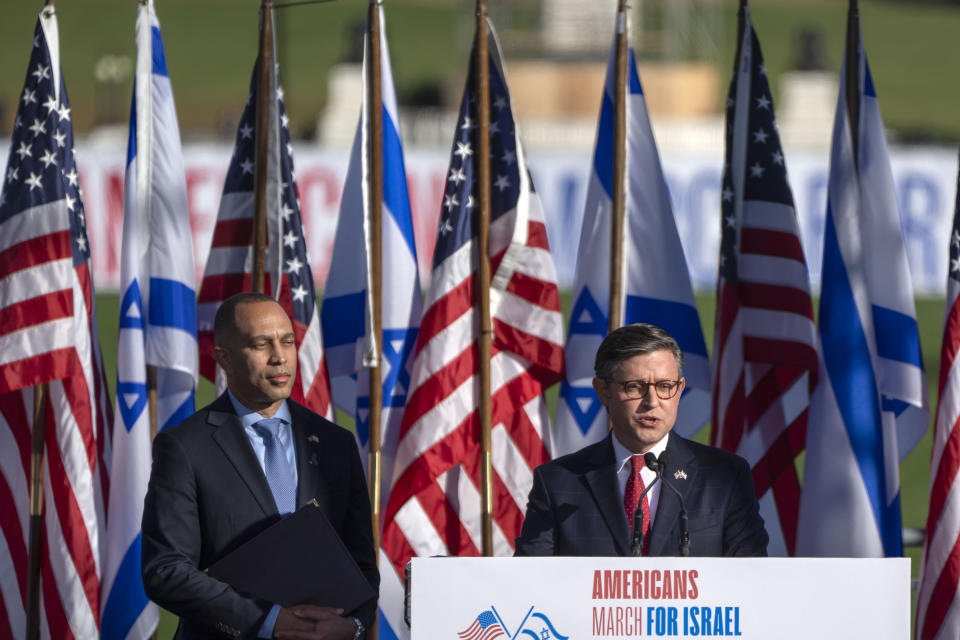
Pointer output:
x,y
594,598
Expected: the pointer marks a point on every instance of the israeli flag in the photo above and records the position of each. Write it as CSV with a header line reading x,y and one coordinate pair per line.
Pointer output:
x,y
656,280
157,324
346,314
870,408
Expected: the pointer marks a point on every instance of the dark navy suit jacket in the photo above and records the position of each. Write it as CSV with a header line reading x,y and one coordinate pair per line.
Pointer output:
x,y
575,507
208,495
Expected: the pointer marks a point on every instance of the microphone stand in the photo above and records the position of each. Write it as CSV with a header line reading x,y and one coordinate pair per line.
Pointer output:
x,y
636,548
684,532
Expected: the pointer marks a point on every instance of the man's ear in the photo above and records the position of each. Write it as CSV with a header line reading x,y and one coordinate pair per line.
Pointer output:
x,y
600,386
222,356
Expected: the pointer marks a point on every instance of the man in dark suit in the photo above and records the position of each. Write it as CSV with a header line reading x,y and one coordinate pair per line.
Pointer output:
x,y
234,468
583,504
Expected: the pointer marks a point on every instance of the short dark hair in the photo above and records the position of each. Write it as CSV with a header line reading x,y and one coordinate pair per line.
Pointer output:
x,y
633,340
225,320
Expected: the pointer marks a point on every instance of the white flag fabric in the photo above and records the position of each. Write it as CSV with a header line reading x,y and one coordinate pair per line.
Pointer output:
x,y
346,317
870,407
157,324
656,280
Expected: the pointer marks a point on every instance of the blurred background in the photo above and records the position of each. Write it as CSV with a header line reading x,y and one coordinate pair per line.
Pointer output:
x,y
555,50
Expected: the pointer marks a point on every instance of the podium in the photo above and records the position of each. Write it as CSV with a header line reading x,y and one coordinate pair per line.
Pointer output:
x,y
593,598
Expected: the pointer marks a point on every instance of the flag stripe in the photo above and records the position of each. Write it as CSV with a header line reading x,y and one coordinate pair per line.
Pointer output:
x,y
771,243
534,291
776,298
54,306
37,250
56,615
944,477
232,233
951,343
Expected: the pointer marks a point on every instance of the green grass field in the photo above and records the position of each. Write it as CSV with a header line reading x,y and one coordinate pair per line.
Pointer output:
x,y
914,471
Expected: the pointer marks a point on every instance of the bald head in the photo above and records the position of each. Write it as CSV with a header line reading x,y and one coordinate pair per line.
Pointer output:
x,y
225,322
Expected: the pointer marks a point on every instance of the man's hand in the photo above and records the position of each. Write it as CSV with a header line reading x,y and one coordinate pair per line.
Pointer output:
x,y
310,622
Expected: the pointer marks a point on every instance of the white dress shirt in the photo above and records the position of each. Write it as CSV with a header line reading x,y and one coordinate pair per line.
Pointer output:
x,y
622,455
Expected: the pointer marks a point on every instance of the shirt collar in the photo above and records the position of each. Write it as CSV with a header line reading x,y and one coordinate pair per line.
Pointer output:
x,y
249,417
622,455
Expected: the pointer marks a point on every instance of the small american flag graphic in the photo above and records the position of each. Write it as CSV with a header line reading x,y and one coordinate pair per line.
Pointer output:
x,y
484,627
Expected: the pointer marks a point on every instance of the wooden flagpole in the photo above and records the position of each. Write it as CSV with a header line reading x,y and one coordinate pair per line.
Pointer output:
x,y
34,560
483,273
375,263
265,63
853,78
34,548
619,195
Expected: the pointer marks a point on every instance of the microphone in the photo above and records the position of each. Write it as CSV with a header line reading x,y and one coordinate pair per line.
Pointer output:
x,y
636,548
653,464
684,533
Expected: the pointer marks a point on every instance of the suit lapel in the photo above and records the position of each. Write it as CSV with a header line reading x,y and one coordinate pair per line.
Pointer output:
x,y
232,439
663,540
601,479
310,482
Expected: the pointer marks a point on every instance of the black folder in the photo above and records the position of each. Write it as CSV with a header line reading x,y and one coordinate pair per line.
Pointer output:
x,y
298,560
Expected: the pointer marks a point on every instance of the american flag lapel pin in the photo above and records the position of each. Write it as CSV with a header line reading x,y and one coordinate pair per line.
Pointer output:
x,y
314,439
680,475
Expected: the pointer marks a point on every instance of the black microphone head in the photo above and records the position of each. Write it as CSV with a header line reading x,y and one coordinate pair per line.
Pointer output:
x,y
664,460
651,461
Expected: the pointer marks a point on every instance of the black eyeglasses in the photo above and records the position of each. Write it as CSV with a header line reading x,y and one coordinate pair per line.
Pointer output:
x,y
638,389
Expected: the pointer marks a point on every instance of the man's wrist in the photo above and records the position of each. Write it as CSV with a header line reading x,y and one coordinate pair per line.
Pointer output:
x,y
266,629
360,629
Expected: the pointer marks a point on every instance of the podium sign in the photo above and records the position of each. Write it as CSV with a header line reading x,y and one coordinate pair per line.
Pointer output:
x,y
594,598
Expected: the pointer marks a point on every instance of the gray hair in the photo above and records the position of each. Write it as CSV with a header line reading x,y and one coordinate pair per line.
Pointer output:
x,y
633,340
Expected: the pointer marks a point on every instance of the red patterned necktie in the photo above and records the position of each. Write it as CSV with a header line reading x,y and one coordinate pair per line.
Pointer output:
x,y
631,496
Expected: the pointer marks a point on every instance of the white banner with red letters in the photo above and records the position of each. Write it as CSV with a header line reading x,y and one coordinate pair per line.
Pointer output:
x,y
925,179
601,598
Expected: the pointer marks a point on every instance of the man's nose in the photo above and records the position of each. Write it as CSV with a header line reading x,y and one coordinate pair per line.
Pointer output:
x,y
277,353
650,398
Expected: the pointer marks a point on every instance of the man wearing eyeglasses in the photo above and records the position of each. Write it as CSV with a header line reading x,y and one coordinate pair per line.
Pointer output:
x,y
590,502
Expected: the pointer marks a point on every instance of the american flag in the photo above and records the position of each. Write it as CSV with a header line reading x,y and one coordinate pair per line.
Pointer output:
x,y
765,363
938,609
48,335
288,276
434,507
484,627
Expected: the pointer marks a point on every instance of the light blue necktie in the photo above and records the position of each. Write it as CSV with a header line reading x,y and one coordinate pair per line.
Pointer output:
x,y
283,483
